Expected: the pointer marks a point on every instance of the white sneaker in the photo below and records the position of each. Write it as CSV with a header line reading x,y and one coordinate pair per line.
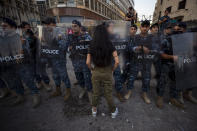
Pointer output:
x,y
94,113
115,113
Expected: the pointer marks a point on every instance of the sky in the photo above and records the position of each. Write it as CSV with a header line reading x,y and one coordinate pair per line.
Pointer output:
x,y
144,7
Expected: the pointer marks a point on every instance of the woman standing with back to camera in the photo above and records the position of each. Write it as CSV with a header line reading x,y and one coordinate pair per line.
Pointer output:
x,y
100,54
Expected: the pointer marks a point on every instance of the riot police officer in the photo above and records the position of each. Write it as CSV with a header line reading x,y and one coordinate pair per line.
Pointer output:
x,y
11,58
54,48
180,28
142,60
78,47
128,56
27,70
167,71
42,77
156,39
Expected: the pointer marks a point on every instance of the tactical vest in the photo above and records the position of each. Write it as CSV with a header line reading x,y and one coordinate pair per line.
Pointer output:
x,y
78,47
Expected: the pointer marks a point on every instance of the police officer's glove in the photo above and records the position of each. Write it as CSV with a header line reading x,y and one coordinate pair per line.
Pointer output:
x,y
180,63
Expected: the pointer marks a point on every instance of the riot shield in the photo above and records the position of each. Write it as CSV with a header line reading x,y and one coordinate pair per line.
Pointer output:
x,y
52,39
185,47
11,47
152,43
11,57
121,46
78,48
119,36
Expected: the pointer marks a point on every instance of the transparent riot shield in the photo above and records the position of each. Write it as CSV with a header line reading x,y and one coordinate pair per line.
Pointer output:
x,y
52,41
11,47
148,49
118,31
119,36
11,57
185,47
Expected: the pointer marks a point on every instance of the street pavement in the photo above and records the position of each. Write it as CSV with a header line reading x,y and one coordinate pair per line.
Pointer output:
x,y
75,115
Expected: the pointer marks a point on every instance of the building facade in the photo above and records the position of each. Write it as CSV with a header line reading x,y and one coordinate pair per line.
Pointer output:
x,y
67,10
42,8
20,10
180,10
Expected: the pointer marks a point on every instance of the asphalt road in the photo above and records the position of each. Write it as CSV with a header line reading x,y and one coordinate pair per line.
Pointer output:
x,y
55,115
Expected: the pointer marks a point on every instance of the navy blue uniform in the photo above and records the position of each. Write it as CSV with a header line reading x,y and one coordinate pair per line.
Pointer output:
x,y
41,68
41,73
141,62
78,47
54,52
167,70
156,42
58,66
10,60
128,59
27,70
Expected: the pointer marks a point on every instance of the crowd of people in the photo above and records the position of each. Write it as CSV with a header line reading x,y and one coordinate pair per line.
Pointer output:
x,y
95,61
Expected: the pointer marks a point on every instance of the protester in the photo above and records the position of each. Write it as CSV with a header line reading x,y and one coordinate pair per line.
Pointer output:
x,y
164,20
101,53
117,73
131,15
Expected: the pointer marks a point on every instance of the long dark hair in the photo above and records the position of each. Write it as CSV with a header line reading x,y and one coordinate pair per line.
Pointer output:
x,y
102,47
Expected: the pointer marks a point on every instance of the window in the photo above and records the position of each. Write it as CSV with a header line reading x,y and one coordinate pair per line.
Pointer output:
x,y
159,15
99,7
96,7
79,2
61,1
161,2
92,5
169,9
182,4
87,3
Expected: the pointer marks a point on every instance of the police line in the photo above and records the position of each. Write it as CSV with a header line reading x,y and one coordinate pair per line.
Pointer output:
x,y
184,46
